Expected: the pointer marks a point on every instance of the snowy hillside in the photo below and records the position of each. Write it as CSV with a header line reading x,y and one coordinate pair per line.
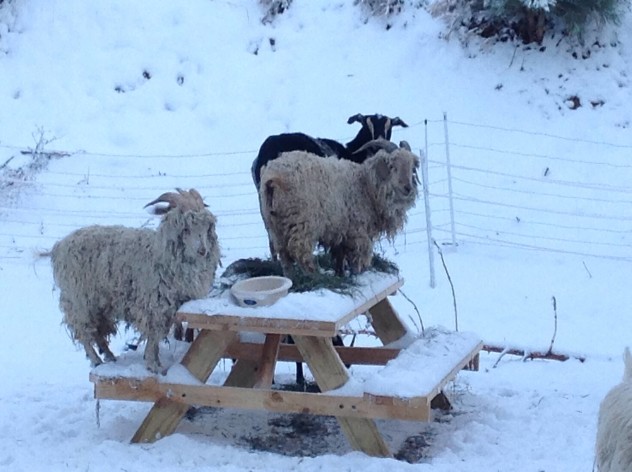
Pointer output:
x,y
103,107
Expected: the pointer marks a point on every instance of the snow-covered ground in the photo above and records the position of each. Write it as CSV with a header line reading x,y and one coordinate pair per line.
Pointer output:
x,y
132,99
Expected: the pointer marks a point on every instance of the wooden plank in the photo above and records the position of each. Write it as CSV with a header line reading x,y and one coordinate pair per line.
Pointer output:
x,y
261,399
387,325
436,390
290,353
323,361
455,370
417,407
280,325
330,373
259,325
205,352
243,374
235,397
371,302
200,360
268,361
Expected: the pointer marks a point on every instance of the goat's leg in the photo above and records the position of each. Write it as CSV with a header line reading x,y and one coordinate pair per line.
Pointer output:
x,y
106,328
152,360
104,349
299,247
338,257
337,341
300,376
287,264
361,256
95,360
273,253
178,331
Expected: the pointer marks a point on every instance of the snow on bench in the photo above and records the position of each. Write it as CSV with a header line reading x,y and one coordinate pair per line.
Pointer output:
x,y
419,372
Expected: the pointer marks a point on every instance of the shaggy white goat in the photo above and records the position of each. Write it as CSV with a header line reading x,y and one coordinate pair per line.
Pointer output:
x,y
341,205
614,429
108,274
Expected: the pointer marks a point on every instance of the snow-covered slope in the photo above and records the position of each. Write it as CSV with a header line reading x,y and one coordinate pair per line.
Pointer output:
x,y
130,99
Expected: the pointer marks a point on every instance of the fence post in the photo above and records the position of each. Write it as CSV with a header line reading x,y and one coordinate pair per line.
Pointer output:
x,y
426,191
449,169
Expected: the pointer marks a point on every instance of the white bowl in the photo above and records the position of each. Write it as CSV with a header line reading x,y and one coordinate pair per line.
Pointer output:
x,y
260,291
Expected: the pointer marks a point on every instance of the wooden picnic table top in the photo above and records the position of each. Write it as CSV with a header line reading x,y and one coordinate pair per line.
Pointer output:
x,y
317,313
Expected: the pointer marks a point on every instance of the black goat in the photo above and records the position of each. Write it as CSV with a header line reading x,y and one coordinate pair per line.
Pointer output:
x,y
277,144
373,127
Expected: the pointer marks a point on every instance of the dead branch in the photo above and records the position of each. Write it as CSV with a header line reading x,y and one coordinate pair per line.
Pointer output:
x,y
530,355
354,332
554,326
51,154
445,267
421,321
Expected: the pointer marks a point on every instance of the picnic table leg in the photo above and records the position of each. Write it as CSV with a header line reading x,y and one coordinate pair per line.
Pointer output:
x,y
243,374
200,360
386,322
265,376
330,373
256,374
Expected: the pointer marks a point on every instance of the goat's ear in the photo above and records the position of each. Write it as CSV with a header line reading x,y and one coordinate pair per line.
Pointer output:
x,y
157,209
397,121
358,117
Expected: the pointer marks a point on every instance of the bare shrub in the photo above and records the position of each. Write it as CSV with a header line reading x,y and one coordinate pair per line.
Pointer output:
x,y
527,20
273,8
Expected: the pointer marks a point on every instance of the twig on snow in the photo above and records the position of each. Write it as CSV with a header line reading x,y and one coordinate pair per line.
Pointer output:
x,y
456,314
554,325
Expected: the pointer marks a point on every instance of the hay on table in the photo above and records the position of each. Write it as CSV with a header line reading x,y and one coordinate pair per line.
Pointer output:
x,y
325,278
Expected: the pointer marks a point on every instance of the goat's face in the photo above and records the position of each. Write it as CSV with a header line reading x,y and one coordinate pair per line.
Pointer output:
x,y
186,223
398,172
197,236
377,126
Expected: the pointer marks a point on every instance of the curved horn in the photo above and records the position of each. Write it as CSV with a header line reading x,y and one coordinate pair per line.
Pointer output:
x,y
197,202
405,145
358,117
191,200
167,197
397,121
377,145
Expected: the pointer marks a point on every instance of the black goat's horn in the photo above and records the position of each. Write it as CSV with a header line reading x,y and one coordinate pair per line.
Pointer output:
x,y
357,117
397,121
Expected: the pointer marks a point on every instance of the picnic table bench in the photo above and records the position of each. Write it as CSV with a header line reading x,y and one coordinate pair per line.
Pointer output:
x,y
415,368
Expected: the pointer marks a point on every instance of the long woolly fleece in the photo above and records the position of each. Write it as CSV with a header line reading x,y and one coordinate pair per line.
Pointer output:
x,y
614,429
343,206
108,274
